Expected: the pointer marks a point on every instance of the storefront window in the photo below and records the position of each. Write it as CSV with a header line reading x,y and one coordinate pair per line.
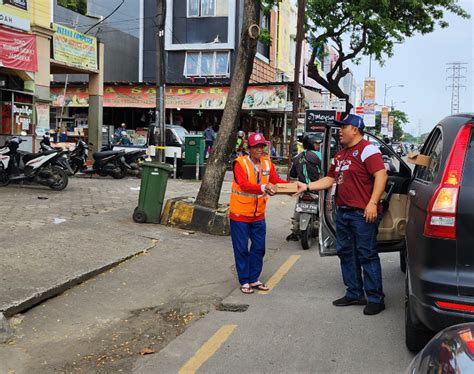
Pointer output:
x,y
222,63
22,118
193,8
6,118
206,63
192,63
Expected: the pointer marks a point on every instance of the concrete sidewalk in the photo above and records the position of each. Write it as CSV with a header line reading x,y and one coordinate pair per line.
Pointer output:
x,y
40,258
39,263
102,325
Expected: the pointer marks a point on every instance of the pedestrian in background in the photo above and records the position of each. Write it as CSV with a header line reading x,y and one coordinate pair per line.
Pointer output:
x,y
306,168
209,137
254,179
358,178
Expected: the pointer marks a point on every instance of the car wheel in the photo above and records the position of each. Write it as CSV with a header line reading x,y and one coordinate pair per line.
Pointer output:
x,y
416,336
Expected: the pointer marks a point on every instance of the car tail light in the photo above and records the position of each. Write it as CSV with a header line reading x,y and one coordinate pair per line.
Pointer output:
x,y
455,306
441,214
468,339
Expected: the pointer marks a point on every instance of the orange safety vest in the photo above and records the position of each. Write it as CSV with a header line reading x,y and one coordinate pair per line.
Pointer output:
x,y
249,204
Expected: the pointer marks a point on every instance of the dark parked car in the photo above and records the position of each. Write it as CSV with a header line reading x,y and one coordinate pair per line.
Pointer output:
x,y
429,218
450,351
440,233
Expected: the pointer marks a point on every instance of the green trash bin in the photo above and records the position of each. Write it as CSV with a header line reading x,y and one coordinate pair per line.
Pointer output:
x,y
152,192
194,144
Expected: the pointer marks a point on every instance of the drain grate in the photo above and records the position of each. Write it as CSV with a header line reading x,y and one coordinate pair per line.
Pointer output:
x,y
237,308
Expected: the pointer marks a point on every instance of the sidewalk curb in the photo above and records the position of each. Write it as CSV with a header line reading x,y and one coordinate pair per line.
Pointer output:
x,y
182,212
45,294
5,330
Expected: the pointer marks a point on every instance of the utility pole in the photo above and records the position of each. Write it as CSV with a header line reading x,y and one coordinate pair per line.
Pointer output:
x,y
456,68
160,117
296,83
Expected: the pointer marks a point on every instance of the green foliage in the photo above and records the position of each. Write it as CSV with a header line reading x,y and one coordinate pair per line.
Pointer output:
x,y
369,27
375,26
265,37
400,119
79,6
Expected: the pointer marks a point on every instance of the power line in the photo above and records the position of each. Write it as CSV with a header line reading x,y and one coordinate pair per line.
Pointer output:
x,y
456,68
103,19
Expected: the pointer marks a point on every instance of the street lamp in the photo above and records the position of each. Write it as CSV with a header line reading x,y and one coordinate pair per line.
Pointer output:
x,y
387,88
397,102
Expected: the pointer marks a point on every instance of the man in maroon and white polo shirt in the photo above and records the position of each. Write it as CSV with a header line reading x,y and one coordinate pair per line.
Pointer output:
x,y
358,178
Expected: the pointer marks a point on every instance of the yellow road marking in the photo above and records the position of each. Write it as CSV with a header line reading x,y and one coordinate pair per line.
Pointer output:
x,y
280,273
207,350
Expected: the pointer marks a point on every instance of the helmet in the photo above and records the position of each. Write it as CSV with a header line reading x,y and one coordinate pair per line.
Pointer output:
x,y
310,139
241,134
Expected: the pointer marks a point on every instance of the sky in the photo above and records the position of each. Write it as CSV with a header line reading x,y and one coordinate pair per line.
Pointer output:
x,y
420,66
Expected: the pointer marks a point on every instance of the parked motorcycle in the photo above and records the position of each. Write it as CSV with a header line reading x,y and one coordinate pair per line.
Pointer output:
x,y
105,163
134,159
36,168
307,209
62,162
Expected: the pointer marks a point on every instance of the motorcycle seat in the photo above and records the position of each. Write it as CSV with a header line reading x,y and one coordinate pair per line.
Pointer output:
x,y
31,156
101,155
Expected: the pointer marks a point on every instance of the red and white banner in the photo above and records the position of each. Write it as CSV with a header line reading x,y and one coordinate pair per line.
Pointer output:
x,y
18,50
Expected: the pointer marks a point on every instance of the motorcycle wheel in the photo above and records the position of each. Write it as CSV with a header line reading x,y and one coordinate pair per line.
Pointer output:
x,y
4,180
61,177
307,236
121,174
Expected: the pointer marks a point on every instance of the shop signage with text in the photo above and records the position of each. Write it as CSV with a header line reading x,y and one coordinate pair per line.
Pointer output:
x,y
22,4
316,120
74,47
257,97
14,21
18,50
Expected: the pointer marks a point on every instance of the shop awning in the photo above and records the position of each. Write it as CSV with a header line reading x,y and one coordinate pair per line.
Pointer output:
x,y
311,97
271,97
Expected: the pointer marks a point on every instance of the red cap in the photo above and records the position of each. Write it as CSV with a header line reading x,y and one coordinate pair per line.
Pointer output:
x,y
256,139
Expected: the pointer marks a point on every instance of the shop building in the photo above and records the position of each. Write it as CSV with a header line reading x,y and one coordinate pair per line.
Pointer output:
x,y
32,51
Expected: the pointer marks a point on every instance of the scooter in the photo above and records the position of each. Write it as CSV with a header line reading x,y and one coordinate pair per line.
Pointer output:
x,y
35,168
105,163
307,208
62,162
134,159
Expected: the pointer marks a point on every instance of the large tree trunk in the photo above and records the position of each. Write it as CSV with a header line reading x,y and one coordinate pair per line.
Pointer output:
x,y
210,190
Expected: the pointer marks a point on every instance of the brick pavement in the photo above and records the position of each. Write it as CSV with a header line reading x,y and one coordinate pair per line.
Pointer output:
x,y
35,207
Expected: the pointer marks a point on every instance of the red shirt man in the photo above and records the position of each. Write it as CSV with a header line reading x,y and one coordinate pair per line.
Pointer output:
x,y
358,178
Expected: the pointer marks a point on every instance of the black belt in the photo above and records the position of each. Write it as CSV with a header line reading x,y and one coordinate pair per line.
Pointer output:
x,y
348,207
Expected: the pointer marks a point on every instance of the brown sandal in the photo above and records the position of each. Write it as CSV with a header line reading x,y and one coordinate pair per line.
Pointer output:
x,y
245,288
260,286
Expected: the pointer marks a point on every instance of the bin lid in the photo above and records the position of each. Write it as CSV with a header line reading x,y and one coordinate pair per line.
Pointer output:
x,y
193,136
159,165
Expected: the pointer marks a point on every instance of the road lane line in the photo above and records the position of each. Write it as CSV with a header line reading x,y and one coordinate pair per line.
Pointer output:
x,y
207,350
280,273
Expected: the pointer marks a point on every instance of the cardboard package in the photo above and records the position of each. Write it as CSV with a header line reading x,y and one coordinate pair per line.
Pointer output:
x,y
286,188
418,159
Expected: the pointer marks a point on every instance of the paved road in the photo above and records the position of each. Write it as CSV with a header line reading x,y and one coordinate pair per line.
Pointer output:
x,y
294,329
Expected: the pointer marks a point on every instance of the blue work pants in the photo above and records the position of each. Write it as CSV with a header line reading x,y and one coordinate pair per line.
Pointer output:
x,y
248,261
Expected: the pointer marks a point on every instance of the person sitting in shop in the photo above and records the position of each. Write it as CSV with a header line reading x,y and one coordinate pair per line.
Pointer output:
x,y
124,139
